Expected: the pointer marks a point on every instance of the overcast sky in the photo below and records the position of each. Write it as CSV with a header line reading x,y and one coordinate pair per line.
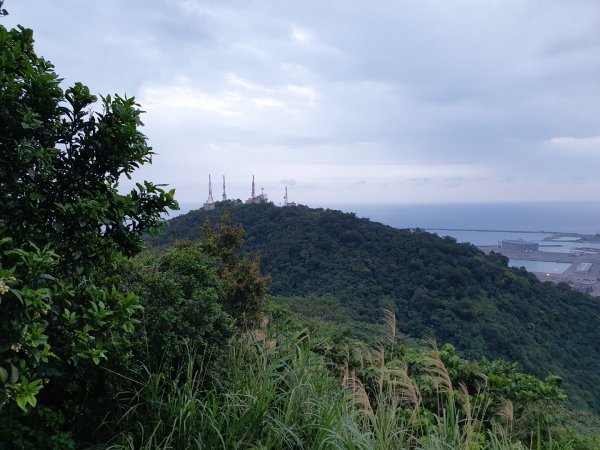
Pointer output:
x,y
405,101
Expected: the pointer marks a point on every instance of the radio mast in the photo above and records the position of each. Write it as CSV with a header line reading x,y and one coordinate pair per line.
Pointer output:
x,y
209,205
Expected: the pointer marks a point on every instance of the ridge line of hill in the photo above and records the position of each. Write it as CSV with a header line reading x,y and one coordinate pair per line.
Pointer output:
x,y
433,284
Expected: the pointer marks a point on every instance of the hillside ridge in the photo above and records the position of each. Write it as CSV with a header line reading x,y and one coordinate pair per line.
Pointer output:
x,y
435,286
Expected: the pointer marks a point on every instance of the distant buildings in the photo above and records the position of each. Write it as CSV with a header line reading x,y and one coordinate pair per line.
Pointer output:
x,y
584,267
519,245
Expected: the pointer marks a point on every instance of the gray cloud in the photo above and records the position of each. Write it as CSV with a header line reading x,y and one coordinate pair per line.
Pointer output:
x,y
419,93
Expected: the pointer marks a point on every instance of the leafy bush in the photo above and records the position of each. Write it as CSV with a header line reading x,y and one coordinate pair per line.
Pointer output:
x,y
64,226
182,296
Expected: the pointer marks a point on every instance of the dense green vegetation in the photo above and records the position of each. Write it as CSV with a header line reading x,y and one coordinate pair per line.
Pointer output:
x,y
105,345
64,229
434,285
278,391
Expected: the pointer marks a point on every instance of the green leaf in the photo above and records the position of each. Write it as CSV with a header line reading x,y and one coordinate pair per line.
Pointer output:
x,y
128,327
17,294
3,375
22,401
34,387
14,375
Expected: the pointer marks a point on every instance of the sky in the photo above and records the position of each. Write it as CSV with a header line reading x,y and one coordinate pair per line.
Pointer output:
x,y
346,102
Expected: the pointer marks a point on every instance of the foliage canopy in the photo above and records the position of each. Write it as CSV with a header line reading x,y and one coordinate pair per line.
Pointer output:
x,y
64,226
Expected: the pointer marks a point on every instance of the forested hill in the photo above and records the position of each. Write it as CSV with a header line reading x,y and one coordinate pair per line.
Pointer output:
x,y
436,286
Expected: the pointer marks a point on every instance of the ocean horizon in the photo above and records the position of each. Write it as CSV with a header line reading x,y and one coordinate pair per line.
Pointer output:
x,y
542,217
575,217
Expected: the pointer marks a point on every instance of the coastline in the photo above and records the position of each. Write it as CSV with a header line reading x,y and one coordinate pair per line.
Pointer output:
x,y
581,281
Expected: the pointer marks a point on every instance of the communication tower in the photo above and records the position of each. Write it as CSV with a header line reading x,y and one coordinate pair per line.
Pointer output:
x,y
209,205
262,198
285,200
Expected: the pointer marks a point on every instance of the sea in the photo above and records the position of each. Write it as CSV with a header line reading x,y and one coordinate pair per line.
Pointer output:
x,y
575,217
487,223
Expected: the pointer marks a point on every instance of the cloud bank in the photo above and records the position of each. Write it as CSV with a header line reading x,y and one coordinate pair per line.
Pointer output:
x,y
394,102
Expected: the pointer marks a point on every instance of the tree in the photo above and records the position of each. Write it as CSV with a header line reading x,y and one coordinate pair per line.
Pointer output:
x,y
64,225
183,297
61,162
245,287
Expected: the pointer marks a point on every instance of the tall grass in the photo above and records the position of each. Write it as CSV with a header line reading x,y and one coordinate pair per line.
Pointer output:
x,y
280,397
278,394
394,416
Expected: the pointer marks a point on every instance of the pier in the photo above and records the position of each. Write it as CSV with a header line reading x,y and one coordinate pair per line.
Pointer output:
x,y
581,280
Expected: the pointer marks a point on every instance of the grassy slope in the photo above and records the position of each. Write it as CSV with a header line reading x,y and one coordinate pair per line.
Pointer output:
x,y
435,285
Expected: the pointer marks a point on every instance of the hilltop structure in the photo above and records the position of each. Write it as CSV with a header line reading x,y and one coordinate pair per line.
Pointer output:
x,y
209,204
285,200
262,198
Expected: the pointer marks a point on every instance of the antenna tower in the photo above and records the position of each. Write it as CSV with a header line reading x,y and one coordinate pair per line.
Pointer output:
x,y
224,194
285,198
210,197
209,205
253,191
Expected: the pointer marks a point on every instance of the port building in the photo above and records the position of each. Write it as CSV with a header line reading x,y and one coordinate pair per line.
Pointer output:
x,y
584,267
519,245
